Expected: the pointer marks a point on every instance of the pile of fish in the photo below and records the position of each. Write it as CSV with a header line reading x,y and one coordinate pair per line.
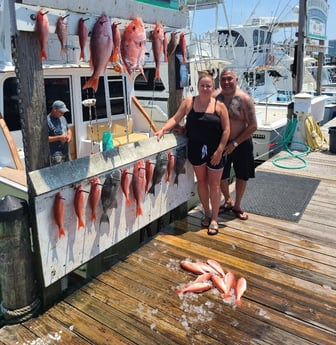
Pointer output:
x,y
211,274
134,184
107,44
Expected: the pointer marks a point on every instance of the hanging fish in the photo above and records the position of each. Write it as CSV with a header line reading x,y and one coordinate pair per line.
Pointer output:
x,y
109,193
79,203
170,167
165,47
181,157
62,33
159,170
240,289
94,197
133,46
116,36
42,30
149,167
58,210
157,47
172,44
183,47
139,184
125,184
83,35
101,45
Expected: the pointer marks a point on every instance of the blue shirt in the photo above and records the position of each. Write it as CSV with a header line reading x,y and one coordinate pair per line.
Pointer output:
x,y
58,126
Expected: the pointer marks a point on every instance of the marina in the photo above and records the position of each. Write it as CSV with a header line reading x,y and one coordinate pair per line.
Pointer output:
x,y
289,268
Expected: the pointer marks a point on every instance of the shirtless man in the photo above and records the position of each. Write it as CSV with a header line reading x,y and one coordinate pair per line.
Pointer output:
x,y
239,150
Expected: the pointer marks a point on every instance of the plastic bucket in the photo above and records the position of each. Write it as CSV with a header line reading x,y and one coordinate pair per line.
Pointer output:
x,y
332,139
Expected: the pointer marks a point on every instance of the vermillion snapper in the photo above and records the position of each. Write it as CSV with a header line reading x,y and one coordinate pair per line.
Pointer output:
x,y
240,289
94,197
116,43
62,33
58,210
101,45
82,37
125,185
133,46
157,37
79,204
138,185
42,30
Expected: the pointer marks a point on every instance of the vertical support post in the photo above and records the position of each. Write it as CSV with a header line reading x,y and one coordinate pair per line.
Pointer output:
x,y
17,278
300,44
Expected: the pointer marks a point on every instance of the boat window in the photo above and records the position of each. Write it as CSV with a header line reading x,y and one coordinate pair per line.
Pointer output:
x,y
11,104
116,98
58,88
148,84
236,39
55,88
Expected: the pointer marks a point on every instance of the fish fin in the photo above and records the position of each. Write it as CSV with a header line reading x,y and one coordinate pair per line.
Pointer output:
x,y
63,51
93,83
61,232
151,190
43,54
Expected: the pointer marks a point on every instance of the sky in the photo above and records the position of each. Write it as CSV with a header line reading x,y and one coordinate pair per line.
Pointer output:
x,y
238,12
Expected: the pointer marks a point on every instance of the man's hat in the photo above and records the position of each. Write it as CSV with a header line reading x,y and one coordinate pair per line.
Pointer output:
x,y
59,105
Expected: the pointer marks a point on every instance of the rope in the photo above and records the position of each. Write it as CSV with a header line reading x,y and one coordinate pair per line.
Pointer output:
x,y
21,314
315,137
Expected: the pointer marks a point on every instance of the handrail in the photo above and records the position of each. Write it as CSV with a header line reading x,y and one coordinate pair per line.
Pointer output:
x,y
144,113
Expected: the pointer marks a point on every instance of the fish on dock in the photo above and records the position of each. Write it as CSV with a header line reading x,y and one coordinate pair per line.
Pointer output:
x,y
195,287
241,287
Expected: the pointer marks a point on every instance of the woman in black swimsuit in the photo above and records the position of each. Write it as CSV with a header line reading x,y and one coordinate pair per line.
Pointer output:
x,y
208,129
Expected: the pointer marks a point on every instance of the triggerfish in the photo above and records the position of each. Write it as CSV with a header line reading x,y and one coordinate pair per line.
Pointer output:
x,y
58,210
159,170
101,45
109,193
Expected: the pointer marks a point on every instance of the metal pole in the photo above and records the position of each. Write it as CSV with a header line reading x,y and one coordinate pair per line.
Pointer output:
x,y
301,44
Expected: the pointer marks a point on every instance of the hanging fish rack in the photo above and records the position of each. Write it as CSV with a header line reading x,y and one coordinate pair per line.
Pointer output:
x,y
126,10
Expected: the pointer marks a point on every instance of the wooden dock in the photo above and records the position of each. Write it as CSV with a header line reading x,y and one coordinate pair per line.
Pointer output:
x,y
290,268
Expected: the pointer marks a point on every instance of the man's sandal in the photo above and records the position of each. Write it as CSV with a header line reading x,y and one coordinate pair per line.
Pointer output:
x,y
240,214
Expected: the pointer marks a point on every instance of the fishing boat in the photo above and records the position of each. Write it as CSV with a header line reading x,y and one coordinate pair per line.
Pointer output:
x,y
113,108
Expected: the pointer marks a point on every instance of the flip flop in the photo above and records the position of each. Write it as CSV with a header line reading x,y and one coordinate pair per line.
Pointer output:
x,y
213,229
224,208
205,221
240,214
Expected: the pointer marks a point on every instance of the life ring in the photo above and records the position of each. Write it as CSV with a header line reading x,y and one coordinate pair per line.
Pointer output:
x,y
270,59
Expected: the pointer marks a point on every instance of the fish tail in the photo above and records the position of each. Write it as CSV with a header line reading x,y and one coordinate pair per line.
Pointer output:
x,y
93,216
139,211
114,56
238,303
157,74
168,179
152,189
93,83
81,224
64,51
128,201
176,180
104,219
61,232
82,56
43,54
227,295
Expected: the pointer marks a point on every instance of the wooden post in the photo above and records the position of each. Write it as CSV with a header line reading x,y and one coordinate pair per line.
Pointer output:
x,y
19,301
320,62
